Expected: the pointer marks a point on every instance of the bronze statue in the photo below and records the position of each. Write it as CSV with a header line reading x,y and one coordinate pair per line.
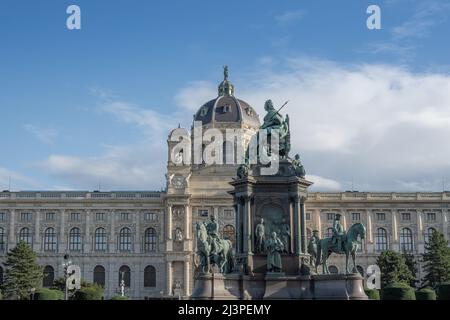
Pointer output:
x,y
260,237
274,247
285,235
338,233
213,234
298,167
312,248
349,247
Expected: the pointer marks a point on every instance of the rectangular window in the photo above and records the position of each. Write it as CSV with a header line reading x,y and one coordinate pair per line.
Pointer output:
x,y
330,216
2,216
406,216
150,216
381,216
26,216
75,216
431,216
308,216
50,216
356,216
99,216
228,213
202,212
124,216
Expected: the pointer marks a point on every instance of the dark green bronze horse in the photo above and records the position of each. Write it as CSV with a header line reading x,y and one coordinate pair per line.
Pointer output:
x,y
350,244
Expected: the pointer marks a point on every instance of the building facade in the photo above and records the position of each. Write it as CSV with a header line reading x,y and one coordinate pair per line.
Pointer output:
x,y
148,237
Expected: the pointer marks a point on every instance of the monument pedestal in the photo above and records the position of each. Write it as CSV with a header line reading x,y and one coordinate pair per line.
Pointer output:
x,y
338,287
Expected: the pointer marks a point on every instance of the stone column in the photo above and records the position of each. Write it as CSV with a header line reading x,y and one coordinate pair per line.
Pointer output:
x,y
169,278
112,239
36,234
87,244
187,222
318,223
247,245
420,247
187,278
236,208
169,222
394,239
369,226
304,238
297,230
445,223
216,212
12,235
62,241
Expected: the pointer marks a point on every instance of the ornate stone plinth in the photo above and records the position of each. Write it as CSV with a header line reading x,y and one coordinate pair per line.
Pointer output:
x,y
277,286
338,287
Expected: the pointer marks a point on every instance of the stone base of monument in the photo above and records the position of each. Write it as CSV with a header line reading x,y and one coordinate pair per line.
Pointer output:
x,y
338,287
278,286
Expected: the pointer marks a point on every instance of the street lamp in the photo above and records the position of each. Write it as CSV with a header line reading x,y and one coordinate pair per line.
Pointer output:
x,y
66,265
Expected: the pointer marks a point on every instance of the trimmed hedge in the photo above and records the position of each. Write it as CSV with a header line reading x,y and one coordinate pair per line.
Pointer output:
x,y
93,292
425,294
48,294
373,294
443,291
398,291
120,298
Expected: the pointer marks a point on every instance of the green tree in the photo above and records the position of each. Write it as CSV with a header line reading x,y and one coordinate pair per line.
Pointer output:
x,y
436,260
411,263
393,268
22,272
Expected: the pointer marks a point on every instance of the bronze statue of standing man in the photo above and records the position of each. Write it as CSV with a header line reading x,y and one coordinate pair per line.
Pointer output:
x,y
260,237
274,248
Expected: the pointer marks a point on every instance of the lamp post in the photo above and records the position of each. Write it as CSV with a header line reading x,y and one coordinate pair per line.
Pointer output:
x,y
66,265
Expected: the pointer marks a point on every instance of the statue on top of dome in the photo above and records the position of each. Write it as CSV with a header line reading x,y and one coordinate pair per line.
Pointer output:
x,y
225,72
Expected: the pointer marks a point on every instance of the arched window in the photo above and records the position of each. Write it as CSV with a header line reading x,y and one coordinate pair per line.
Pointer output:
x,y
49,277
125,275
150,240
2,240
333,269
360,270
1,275
100,242
406,240
329,233
75,239
49,239
149,276
99,276
428,233
229,233
381,240
125,239
25,236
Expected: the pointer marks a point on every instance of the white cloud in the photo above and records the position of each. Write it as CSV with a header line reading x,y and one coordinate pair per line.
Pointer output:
x,y
324,184
44,135
195,94
289,17
380,124
17,180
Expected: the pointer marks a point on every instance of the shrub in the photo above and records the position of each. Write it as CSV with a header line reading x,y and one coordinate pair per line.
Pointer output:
x,y
425,294
48,294
93,292
373,294
443,291
120,298
398,291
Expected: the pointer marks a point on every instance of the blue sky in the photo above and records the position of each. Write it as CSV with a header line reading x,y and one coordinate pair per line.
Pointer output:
x,y
90,106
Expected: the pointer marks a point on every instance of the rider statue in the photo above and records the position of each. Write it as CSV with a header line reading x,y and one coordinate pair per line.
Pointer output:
x,y
338,233
213,235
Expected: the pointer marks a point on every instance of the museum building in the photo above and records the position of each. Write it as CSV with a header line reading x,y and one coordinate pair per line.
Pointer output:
x,y
147,238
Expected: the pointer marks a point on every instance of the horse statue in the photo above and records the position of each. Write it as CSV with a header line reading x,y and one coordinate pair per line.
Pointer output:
x,y
223,258
350,244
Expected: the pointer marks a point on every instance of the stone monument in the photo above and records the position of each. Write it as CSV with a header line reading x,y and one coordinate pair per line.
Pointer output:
x,y
272,257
